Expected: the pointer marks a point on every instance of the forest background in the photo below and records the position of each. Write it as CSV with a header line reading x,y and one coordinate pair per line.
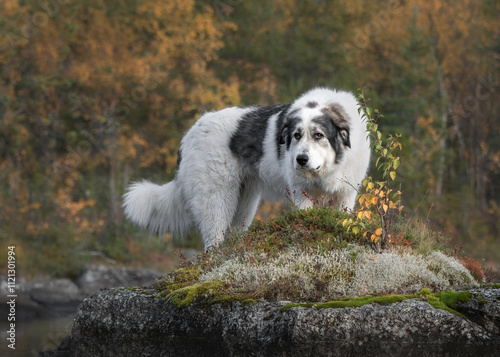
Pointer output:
x,y
95,94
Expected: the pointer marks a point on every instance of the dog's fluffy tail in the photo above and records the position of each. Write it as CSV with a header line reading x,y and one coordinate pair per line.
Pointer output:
x,y
160,209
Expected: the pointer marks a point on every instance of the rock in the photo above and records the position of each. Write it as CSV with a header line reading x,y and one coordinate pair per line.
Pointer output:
x,y
98,277
64,349
484,309
60,297
136,323
44,298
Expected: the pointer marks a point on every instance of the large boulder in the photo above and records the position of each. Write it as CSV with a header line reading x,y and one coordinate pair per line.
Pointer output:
x,y
124,322
96,277
60,297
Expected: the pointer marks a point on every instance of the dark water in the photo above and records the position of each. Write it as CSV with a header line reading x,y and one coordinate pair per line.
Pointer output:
x,y
33,336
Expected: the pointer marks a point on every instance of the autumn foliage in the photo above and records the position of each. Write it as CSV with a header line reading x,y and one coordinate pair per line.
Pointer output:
x,y
95,94
379,201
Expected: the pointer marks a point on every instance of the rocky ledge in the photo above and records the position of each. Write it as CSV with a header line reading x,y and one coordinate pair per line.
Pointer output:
x,y
60,297
123,322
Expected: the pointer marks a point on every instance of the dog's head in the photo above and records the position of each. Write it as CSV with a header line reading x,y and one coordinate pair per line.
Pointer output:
x,y
315,136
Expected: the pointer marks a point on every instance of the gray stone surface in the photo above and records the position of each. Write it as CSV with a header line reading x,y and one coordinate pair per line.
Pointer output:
x,y
120,322
96,277
59,297
484,309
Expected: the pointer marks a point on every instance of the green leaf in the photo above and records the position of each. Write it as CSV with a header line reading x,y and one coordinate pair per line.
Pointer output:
x,y
395,163
393,175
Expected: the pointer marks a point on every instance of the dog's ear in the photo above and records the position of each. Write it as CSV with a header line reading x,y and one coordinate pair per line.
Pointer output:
x,y
284,134
344,135
341,122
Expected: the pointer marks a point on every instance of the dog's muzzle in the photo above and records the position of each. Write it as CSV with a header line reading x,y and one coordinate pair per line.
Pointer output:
x,y
302,163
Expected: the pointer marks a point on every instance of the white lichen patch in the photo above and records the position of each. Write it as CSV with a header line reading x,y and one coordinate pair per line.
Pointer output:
x,y
351,272
450,269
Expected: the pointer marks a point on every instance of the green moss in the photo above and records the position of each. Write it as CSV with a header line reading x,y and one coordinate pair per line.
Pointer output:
x,y
184,296
451,298
492,286
447,300
248,302
444,300
180,278
204,294
355,302
423,293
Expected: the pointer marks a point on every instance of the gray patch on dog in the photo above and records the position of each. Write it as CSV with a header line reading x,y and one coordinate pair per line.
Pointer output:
x,y
247,141
337,136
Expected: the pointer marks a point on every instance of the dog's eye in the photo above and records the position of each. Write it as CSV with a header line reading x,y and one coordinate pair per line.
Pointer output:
x,y
318,136
297,136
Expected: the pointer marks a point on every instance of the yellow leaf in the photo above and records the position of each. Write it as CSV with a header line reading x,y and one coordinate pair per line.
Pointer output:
x,y
378,231
355,230
371,185
374,238
364,234
361,199
368,214
385,207
344,222
361,214
392,205
393,175
374,201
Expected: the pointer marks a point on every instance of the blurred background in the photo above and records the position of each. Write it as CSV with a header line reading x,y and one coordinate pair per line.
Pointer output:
x,y
96,94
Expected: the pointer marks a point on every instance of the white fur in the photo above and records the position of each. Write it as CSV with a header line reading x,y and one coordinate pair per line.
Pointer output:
x,y
214,190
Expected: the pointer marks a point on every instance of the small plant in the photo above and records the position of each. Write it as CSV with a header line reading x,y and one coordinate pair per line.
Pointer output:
x,y
379,202
474,268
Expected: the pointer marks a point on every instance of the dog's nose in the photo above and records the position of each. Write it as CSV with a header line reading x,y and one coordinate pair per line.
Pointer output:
x,y
302,159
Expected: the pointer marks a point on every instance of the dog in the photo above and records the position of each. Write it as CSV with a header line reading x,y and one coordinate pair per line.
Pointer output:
x,y
315,148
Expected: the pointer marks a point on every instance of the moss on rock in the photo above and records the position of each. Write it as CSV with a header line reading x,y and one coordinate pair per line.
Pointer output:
x,y
308,256
444,300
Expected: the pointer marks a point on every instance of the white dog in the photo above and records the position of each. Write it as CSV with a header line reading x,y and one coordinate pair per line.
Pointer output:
x,y
231,158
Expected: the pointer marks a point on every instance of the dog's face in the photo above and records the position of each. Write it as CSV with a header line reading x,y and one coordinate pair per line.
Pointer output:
x,y
315,138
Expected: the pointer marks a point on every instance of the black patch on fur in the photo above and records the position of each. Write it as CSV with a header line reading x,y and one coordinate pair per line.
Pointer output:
x,y
247,141
291,126
312,104
337,136
283,133
179,158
